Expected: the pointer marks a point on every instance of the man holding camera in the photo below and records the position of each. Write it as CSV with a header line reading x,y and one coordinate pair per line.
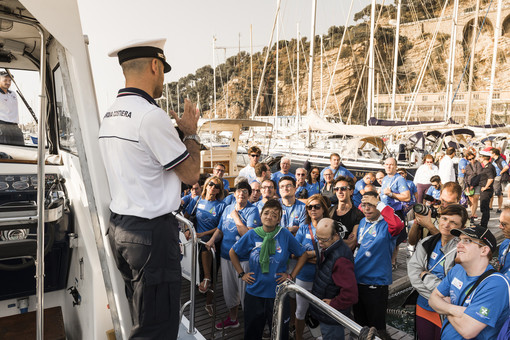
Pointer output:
x,y
427,224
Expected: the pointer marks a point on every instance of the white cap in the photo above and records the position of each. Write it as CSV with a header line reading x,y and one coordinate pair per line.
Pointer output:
x,y
141,48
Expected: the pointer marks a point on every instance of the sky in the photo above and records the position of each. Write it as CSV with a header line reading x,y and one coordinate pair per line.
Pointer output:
x,y
189,27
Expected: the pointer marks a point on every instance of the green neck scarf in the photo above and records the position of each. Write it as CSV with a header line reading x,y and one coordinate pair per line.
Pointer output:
x,y
268,246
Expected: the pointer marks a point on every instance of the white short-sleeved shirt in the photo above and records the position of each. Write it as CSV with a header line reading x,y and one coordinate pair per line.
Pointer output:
x,y
140,147
8,107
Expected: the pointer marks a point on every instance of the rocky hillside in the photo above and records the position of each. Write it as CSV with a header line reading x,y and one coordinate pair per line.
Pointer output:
x,y
344,83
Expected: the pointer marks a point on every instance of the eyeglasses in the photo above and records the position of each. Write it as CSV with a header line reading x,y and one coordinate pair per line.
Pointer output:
x,y
300,174
314,206
341,188
219,170
267,187
328,174
470,159
243,191
469,241
216,186
286,186
323,240
254,155
257,190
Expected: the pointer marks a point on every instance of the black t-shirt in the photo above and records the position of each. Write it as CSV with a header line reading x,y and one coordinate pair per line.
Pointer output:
x,y
487,173
349,220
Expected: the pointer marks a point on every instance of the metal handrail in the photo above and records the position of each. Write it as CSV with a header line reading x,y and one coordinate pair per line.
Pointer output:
x,y
214,283
287,288
191,302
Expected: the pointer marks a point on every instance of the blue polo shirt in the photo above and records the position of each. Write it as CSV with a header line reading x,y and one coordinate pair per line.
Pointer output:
x,y
250,217
398,185
413,189
308,188
315,188
226,185
249,246
372,263
487,304
462,165
341,171
503,258
432,191
306,239
439,271
229,199
208,213
294,215
356,196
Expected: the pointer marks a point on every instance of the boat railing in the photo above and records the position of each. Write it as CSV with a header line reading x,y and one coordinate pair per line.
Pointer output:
x,y
213,290
286,288
193,274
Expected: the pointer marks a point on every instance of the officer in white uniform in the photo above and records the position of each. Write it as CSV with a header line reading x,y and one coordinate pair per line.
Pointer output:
x,y
10,133
145,162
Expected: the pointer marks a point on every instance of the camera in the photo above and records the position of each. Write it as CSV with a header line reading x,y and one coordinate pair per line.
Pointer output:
x,y
422,209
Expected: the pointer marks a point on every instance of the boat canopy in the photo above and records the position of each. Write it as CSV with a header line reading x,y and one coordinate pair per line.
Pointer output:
x,y
229,124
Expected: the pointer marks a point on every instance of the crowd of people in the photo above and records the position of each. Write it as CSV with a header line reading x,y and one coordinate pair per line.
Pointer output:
x,y
338,237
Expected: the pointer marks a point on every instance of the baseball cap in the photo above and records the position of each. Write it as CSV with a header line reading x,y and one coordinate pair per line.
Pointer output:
x,y
478,233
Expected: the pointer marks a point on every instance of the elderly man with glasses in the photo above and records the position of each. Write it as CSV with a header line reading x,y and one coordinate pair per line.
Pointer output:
x,y
249,170
377,237
473,296
219,171
303,189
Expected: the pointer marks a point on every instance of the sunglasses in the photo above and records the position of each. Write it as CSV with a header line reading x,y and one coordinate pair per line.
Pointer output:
x,y
216,186
314,206
341,188
470,159
254,155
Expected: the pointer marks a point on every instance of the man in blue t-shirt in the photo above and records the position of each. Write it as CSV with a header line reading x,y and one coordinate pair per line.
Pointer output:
x,y
504,248
435,189
461,167
303,189
359,188
377,235
472,311
293,210
219,171
501,179
285,171
336,168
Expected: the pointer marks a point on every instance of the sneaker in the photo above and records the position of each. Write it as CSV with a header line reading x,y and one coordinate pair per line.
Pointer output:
x,y
227,323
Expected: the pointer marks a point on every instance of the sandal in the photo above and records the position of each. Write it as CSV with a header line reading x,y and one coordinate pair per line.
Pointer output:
x,y
204,286
209,309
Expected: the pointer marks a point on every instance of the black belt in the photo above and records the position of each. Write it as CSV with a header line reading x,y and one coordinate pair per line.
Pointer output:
x,y
8,123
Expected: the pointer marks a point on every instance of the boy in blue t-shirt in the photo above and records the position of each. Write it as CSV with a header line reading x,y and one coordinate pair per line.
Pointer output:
x,y
472,312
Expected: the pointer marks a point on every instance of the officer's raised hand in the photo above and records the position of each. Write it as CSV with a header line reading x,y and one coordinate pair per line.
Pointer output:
x,y
188,122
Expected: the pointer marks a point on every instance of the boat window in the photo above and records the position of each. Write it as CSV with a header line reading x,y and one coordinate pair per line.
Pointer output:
x,y
65,131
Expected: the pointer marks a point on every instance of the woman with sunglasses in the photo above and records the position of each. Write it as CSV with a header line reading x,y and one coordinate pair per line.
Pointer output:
x,y
316,209
345,212
268,248
423,176
314,181
433,258
208,209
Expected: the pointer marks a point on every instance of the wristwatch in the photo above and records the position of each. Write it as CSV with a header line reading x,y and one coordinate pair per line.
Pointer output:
x,y
241,274
194,137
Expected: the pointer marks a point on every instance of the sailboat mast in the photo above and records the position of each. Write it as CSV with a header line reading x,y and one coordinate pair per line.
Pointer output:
x,y
251,70
322,55
214,76
472,61
395,62
497,31
277,62
370,92
451,64
310,71
298,115
265,62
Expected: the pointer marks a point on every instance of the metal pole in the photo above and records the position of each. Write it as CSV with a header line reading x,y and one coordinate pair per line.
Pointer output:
x,y
310,71
370,85
277,57
451,64
472,61
214,76
41,181
298,114
265,61
322,45
251,71
324,307
395,62
497,30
